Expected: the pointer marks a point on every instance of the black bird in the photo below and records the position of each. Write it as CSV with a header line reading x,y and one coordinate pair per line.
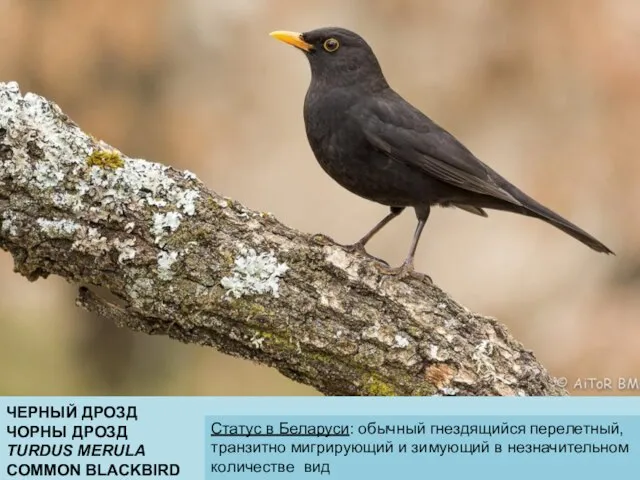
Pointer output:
x,y
378,146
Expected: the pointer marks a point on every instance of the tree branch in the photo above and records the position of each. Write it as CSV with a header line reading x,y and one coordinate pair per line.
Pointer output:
x,y
183,261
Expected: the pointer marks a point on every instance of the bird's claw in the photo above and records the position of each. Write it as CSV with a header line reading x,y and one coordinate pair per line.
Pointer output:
x,y
355,248
403,271
358,248
400,272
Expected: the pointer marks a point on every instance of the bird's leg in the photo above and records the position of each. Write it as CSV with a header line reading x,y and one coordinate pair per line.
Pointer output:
x,y
407,267
360,244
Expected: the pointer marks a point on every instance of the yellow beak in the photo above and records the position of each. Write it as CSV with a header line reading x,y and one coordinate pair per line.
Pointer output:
x,y
292,38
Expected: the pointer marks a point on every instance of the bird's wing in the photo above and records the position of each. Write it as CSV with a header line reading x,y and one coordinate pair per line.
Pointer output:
x,y
395,127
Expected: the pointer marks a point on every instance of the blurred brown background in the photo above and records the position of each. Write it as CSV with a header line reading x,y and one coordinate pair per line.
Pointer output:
x,y
546,92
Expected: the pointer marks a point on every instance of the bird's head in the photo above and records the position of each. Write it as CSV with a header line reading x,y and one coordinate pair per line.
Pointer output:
x,y
337,56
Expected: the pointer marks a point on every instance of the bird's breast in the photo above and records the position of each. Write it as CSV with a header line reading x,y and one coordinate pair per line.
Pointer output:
x,y
332,137
344,153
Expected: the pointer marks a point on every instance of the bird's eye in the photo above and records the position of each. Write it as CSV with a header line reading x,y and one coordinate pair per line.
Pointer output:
x,y
331,45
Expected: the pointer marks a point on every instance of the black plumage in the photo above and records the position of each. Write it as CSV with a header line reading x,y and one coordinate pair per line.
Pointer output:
x,y
378,146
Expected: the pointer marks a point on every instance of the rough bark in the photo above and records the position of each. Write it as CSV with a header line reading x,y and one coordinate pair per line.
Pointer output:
x,y
183,261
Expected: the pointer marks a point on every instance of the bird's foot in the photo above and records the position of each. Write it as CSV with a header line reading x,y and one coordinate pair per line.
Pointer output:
x,y
403,271
400,272
358,248
355,248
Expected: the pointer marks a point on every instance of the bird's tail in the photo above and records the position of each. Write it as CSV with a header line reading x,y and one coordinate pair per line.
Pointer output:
x,y
535,209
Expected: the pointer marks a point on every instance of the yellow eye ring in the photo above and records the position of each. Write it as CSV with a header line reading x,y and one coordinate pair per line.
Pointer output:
x,y
331,45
